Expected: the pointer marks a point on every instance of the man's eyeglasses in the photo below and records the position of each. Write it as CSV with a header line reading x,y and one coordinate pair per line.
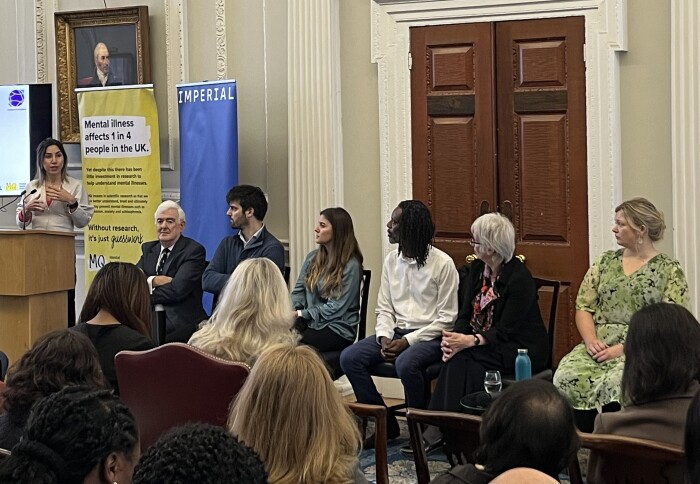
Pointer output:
x,y
474,243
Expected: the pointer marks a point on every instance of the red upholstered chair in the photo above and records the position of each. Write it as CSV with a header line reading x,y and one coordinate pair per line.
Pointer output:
x,y
176,383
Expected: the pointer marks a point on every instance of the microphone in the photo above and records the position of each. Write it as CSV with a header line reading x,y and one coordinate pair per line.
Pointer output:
x,y
2,208
24,213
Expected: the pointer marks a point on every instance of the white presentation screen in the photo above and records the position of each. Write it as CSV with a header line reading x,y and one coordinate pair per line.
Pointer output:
x,y
14,139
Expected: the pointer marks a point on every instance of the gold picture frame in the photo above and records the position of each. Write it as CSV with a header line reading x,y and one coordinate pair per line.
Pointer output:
x,y
82,38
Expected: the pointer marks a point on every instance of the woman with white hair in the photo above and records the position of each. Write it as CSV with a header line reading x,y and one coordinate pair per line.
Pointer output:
x,y
252,314
498,315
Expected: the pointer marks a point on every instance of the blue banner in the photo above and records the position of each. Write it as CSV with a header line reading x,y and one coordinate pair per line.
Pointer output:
x,y
208,159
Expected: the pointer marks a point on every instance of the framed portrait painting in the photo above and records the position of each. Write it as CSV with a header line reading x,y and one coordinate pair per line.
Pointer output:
x,y
98,48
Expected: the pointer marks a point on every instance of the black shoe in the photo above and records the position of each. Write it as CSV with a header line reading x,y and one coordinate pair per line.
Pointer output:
x,y
429,448
391,434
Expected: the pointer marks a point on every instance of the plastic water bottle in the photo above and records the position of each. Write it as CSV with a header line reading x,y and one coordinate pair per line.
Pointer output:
x,y
523,366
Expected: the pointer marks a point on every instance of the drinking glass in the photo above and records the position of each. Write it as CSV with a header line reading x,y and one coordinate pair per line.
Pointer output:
x,y
492,382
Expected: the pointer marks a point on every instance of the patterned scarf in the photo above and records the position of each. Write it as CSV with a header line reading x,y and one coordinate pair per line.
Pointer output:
x,y
482,315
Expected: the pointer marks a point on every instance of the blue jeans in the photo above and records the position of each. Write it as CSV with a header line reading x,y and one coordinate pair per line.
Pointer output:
x,y
357,360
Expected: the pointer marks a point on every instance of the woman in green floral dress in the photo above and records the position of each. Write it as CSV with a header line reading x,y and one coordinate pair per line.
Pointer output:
x,y
616,285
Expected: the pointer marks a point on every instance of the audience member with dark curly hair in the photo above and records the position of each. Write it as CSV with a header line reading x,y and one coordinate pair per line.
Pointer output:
x,y
199,453
530,425
77,435
56,360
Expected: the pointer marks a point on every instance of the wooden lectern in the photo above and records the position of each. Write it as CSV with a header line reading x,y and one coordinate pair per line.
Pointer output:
x,y
38,267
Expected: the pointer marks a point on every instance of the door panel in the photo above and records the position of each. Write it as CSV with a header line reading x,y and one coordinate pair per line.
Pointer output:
x,y
542,175
499,123
452,131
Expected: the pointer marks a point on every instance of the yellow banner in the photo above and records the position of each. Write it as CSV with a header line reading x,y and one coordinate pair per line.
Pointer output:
x,y
121,172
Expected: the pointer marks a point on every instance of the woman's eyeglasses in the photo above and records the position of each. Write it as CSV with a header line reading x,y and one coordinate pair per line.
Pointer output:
x,y
474,243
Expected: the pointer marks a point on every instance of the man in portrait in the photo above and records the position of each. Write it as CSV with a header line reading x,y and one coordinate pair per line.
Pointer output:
x,y
103,75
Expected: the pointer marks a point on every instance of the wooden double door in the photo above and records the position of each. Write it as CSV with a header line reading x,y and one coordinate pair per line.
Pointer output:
x,y
499,124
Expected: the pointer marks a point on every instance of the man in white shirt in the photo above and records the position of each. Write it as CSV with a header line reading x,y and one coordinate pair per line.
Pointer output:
x,y
417,301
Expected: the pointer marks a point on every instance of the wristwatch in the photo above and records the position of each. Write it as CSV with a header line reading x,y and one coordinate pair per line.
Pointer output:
x,y
477,341
73,205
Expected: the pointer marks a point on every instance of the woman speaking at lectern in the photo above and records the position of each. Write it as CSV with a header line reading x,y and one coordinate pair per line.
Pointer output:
x,y
54,200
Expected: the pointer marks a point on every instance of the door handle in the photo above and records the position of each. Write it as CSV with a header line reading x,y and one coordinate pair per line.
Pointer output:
x,y
507,209
484,207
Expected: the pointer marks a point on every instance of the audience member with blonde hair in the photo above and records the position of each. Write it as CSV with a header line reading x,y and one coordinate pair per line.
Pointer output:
x,y
116,313
290,413
252,314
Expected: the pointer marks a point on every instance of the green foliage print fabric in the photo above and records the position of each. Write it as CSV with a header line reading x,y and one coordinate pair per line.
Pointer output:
x,y
612,298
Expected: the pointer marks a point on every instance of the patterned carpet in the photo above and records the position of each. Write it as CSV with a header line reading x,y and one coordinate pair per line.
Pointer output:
x,y
402,470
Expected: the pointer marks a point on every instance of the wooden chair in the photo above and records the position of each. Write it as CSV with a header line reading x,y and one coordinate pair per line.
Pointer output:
x,y
629,460
4,365
158,326
332,358
287,272
174,384
548,372
460,429
378,413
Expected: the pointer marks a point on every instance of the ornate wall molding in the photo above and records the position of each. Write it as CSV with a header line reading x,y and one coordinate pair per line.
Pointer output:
x,y
606,34
221,62
176,62
315,124
42,75
685,141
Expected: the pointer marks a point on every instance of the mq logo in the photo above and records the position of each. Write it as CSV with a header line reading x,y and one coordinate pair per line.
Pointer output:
x,y
96,262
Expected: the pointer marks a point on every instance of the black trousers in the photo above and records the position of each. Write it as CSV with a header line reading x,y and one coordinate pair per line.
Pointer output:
x,y
323,339
464,374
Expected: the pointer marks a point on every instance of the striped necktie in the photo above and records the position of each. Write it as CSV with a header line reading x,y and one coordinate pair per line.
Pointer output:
x,y
161,263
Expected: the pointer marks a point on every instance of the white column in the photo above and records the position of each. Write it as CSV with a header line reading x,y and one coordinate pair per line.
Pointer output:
x,y
315,131
685,122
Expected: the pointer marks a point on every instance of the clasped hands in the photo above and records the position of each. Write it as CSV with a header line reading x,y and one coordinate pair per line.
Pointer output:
x,y
391,349
601,352
452,343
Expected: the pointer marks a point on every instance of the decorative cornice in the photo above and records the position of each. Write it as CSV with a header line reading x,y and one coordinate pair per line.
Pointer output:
x,y
41,55
221,66
175,73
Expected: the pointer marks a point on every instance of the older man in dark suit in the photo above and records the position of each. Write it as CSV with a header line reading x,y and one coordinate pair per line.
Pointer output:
x,y
174,265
